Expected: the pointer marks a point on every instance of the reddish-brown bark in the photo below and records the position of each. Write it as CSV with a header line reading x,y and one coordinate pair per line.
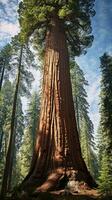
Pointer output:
x,y
57,149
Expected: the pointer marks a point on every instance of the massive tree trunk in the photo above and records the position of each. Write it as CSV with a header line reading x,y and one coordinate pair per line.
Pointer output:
x,y
57,150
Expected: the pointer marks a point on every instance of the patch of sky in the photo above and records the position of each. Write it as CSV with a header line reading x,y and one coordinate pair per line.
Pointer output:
x,y
90,63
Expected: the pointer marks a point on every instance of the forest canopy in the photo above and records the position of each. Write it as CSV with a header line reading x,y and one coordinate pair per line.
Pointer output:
x,y
35,17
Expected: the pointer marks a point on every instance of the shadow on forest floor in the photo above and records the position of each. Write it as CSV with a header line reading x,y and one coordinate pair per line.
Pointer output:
x,y
49,196
70,197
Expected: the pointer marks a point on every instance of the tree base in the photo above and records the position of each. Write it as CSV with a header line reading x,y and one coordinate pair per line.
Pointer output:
x,y
60,181
62,195
70,179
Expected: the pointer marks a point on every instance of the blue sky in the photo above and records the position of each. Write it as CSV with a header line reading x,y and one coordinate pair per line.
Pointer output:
x,y
8,20
102,31
90,63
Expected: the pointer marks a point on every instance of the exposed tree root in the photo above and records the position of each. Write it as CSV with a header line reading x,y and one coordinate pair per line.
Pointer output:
x,y
64,195
59,182
71,180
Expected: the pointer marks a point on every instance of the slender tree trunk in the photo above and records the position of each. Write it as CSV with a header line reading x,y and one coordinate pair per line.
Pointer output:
x,y
2,76
1,140
77,115
57,149
10,152
77,105
12,164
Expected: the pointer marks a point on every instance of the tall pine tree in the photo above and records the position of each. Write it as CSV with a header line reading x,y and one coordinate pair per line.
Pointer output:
x,y
5,67
84,124
32,115
5,119
22,59
25,152
105,126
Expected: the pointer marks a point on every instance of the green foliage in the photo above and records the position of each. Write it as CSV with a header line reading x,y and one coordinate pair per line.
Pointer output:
x,y
5,122
6,106
20,67
105,126
23,64
5,118
64,11
19,132
5,56
26,150
105,178
79,93
27,63
75,15
19,124
5,66
24,157
32,115
84,124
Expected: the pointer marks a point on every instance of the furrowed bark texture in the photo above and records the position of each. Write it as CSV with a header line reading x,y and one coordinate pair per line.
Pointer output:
x,y
57,149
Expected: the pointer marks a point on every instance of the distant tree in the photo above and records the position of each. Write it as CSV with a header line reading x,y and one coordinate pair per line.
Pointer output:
x,y
5,67
19,124
79,93
10,152
5,110
6,98
25,152
22,59
32,115
105,126
24,156
88,145
19,127
7,93
84,124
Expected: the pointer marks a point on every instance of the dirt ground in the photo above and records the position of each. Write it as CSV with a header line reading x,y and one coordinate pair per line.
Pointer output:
x,y
64,195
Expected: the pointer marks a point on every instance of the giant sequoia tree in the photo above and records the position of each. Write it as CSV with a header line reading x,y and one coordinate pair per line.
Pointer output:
x,y
64,28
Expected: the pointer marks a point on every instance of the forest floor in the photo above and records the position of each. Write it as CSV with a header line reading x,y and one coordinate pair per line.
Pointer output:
x,y
62,195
